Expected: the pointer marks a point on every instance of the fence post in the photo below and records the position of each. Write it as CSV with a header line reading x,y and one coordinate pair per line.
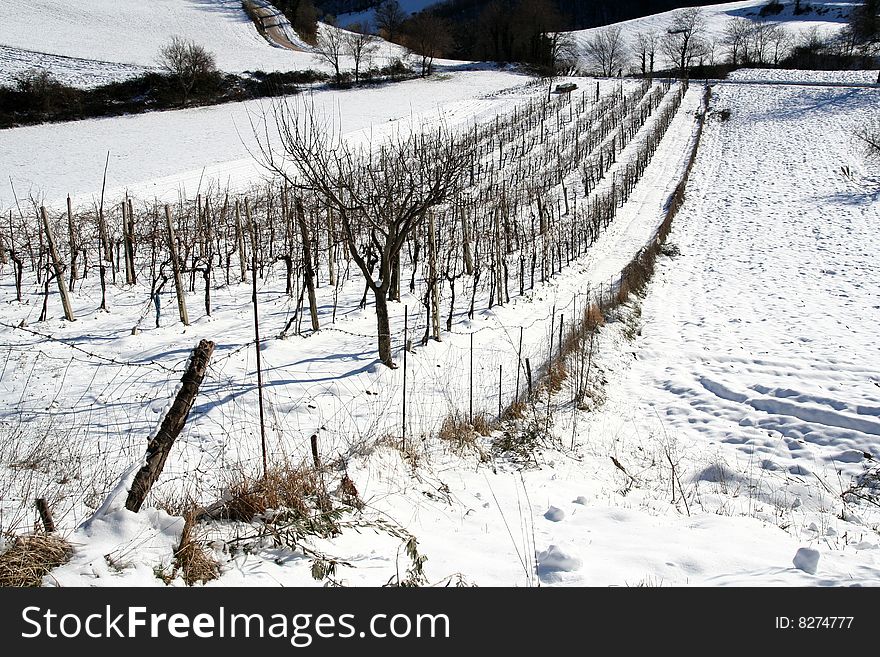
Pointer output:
x,y
172,425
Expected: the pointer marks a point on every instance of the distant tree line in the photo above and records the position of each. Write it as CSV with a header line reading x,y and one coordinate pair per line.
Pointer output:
x,y
684,45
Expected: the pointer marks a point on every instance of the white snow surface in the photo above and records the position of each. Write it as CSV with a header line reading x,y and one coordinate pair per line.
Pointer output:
x,y
826,17
72,71
132,31
788,75
158,154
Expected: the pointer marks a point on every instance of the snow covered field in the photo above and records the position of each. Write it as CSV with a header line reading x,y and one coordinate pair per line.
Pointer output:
x,y
783,75
757,359
158,154
729,410
131,32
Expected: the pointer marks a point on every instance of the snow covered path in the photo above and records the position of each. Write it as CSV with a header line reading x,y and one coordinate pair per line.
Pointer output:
x,y
757,365
771,309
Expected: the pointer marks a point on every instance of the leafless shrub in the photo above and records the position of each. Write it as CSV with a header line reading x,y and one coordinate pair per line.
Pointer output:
x,y
187,62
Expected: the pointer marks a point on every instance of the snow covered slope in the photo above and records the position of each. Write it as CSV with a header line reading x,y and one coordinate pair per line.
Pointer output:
x,y
827,17
132,31
160,153
757,362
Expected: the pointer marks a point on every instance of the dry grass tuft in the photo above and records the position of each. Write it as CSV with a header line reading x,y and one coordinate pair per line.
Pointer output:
x,y
556,375
483,425
408,449
593,317
31,557
623,292
284,487
191,559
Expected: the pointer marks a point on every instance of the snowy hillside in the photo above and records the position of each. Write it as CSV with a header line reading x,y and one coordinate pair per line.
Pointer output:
x,y
92,43
569,394
826,17
132,31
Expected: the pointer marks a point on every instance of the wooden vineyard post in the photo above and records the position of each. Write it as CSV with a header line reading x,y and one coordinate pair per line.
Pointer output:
x,y
172,425
435,288
259,358
309,272
71,236
56,264
405,349
175,266
241,245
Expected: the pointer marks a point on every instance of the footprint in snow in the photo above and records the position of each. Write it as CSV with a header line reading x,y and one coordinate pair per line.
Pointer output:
x,y
554,514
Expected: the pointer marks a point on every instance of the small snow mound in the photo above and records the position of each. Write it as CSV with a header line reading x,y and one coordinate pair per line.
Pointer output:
x,y
580,499
717,473
806,559
557,559
554,514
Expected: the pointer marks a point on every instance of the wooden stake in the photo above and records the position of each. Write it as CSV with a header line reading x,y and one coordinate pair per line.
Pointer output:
x,y
175,266
172,425
45,515
56,264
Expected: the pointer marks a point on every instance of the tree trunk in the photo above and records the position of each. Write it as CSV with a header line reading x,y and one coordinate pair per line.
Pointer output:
x,y
384,326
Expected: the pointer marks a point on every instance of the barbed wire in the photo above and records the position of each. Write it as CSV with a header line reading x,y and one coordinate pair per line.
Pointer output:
x,y
150,363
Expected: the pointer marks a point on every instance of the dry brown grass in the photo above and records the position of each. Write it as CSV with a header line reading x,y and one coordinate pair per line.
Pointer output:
x,y
31,557
484,425
515,411
284,487
556,375
191,559
593,317
409,449
464,436
623,292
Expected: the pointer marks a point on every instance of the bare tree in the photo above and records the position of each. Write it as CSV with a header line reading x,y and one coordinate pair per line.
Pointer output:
x,y
428,37
645,48
360,45
683,42
864,23
389,18
380,195
188,63
605,49
330,47
562,50
870,137
779,43
737,33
